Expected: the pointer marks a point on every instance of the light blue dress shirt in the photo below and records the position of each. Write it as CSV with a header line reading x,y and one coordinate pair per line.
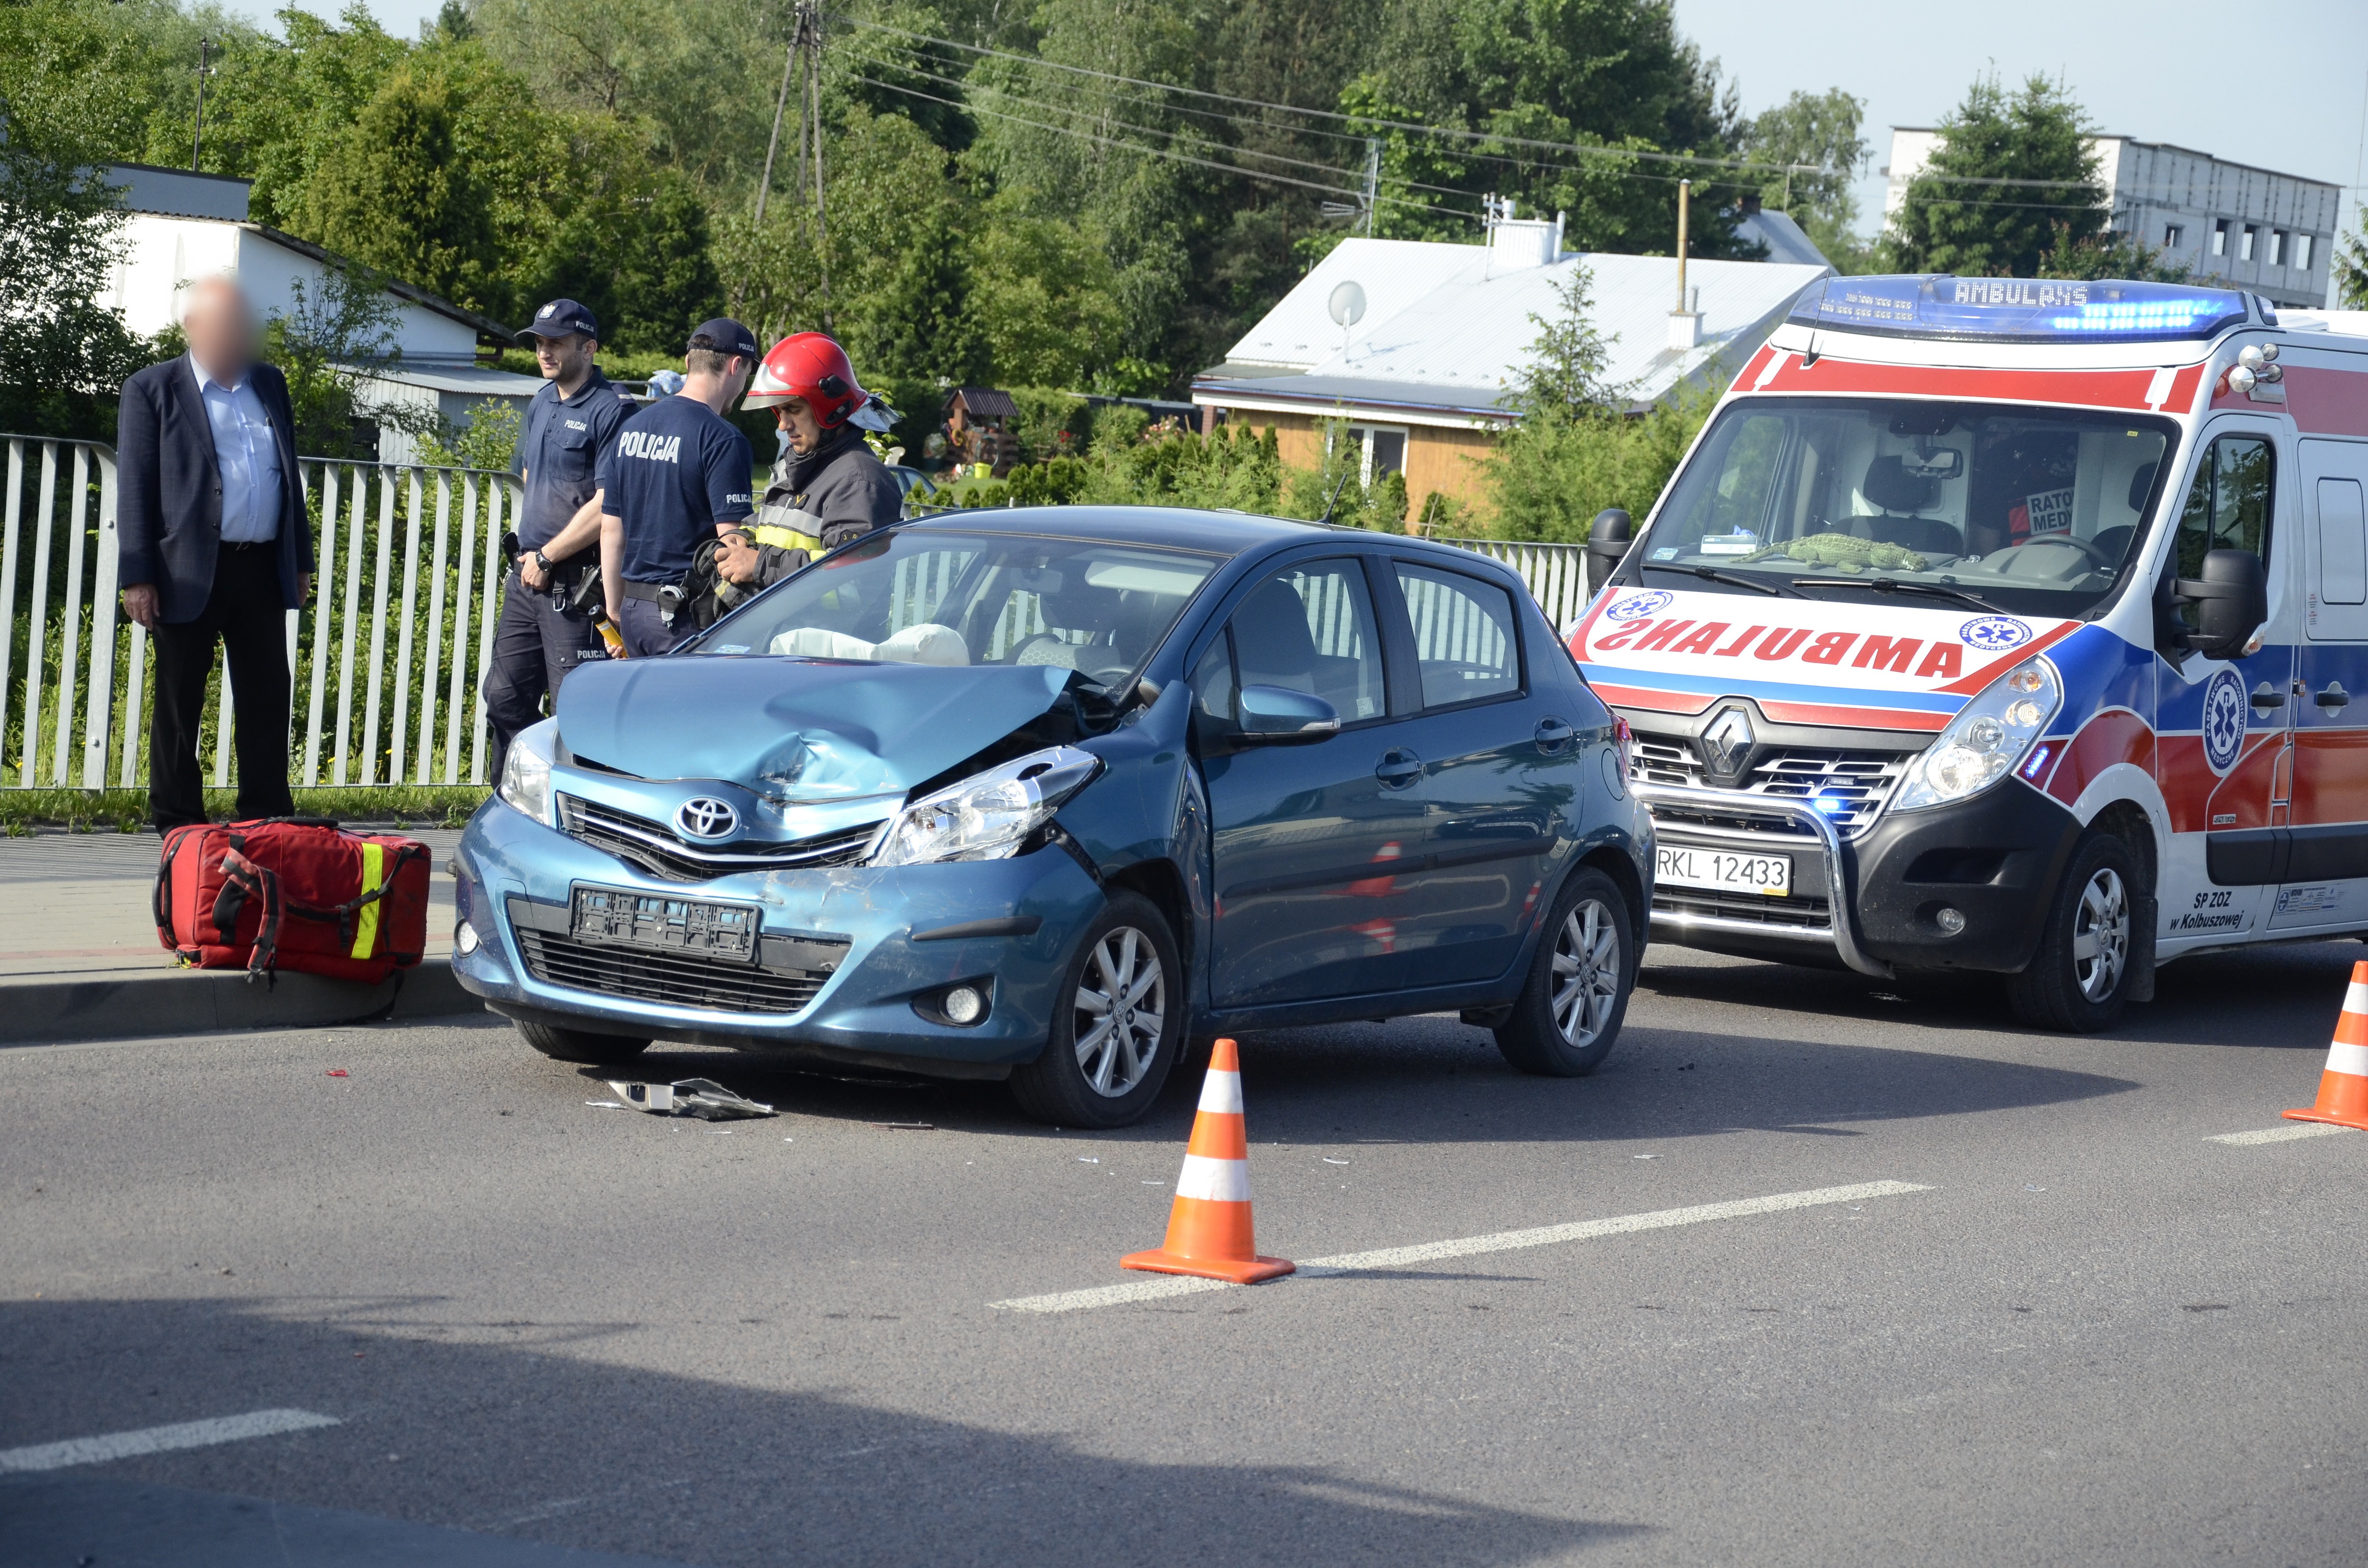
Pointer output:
x,y
246,456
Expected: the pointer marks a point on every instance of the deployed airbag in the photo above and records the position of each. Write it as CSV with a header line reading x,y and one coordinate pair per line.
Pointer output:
x,y
926,643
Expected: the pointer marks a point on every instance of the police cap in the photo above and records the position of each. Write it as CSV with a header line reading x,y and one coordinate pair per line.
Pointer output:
x,y
560,318
724,336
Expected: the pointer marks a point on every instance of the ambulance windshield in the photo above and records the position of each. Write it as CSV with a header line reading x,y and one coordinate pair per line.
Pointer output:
x,y
2032,511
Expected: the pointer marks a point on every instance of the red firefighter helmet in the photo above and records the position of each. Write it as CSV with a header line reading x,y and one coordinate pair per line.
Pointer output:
x,y
808,365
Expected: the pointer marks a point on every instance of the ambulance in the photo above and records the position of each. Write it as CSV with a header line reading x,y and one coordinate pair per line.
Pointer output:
x,y
2008,626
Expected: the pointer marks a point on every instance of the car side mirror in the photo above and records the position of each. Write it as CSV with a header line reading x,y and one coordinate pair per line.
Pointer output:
x,y
1608,538
2233,596
1275,715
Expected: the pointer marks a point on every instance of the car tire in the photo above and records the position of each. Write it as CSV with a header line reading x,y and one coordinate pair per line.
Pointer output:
x,y
1567,1017
1128,955
581,1045
2078,982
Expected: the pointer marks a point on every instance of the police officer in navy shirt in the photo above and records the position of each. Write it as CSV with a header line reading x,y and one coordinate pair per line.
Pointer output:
x,y
678,473
571,423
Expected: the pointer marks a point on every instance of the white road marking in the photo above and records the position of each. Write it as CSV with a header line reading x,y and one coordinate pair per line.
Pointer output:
x,y
160,1439
2279,1134
1466,1246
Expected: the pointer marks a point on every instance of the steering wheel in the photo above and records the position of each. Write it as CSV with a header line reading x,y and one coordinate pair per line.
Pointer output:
x,y
2085,547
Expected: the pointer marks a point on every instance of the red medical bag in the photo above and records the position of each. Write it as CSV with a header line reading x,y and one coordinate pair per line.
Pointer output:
x,y
293,893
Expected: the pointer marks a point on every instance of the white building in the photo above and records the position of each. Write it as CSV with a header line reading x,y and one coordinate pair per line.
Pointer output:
x,y
184,226
2233,223
1424,373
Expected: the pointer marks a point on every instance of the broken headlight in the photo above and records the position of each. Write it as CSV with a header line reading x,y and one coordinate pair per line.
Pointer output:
x,y
988,815
526,772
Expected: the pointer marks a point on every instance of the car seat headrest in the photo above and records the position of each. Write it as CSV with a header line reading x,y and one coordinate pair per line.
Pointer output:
x,y
1890,486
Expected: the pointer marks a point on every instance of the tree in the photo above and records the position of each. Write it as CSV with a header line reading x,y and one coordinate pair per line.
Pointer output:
x,y
330,343
2111,255
1813,145
62,355
396,193
2011,178
2351,267
1563,377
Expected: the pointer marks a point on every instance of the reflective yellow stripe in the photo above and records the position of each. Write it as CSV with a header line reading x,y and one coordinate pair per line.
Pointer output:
x,y
785,538
366,924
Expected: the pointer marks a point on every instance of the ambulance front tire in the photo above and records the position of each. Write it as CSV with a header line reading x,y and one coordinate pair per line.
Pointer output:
x,y
2078,981
581,1045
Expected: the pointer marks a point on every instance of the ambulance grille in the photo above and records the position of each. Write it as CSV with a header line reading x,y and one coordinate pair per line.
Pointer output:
x,y
1856,783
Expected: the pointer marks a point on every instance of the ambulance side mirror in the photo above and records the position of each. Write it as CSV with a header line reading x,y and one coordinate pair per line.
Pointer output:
x,y
1607,536
2233,600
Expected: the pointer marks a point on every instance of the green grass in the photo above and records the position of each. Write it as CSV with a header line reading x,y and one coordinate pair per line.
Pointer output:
x,y
126,811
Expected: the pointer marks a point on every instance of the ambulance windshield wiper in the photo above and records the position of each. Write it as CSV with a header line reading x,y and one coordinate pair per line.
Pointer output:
x,y
1713,575
1894,585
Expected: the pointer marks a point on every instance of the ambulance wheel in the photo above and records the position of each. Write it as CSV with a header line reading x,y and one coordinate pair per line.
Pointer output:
x,y
581,1045
1567,1017
2078,981
1118,1024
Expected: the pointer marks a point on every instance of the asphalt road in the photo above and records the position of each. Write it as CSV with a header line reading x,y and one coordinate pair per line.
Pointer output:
x,y
2088,1336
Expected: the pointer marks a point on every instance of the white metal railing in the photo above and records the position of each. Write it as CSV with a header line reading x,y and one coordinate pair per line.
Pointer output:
x,y
388,661
1556,574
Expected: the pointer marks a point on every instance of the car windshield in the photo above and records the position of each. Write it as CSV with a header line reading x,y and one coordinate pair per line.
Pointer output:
x,y
2030,510
916,597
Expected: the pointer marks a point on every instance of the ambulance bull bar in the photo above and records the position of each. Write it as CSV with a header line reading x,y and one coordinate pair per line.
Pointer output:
x,y
1838,880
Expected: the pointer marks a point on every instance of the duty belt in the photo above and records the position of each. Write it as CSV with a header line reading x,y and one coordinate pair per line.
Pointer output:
x,y
667,596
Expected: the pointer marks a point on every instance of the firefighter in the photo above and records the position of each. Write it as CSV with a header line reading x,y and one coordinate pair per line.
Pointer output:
x,y
827,487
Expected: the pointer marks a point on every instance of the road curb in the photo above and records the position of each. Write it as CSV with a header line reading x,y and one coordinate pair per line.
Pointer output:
x,y
38,1010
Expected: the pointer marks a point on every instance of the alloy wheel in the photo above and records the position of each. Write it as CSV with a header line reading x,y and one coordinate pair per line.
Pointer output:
x,y
1586,972
2100,935
1122,1011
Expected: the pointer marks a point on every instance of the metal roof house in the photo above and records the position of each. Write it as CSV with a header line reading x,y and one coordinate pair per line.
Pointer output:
x,y
184,226
1423,376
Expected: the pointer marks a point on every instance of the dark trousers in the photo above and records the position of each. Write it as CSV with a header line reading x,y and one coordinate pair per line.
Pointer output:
x,y
536,642
246,617
645,630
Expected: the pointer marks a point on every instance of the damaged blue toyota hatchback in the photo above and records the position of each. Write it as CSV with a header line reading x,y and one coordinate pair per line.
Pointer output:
x,y
1044,794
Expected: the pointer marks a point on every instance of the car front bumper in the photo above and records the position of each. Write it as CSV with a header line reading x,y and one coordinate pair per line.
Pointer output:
x,y
842,969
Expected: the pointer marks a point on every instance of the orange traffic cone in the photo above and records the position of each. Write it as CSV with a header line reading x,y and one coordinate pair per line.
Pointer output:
x,y
2343,1087
1209,1228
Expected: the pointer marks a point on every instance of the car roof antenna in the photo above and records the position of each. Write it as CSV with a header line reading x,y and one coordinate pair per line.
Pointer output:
x,y
1336,499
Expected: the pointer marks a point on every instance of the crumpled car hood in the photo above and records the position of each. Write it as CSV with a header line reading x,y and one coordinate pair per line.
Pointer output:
x,y
803,731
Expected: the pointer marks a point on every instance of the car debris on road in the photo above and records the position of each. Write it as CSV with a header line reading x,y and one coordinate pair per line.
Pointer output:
x,y
703,1097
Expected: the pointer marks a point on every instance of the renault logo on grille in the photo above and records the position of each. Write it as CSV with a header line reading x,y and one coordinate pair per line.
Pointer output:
x,y
704,816
1726,744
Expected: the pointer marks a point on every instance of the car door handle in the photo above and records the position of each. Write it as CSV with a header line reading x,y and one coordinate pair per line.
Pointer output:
x,y
2267,696
1398,767
1552,734
2333,697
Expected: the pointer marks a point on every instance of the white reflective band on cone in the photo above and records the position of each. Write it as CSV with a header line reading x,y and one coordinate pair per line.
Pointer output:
x,y
1222,1092
1221,1181
2355,998
2352,1059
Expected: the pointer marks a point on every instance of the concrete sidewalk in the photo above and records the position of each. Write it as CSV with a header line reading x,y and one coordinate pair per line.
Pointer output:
x,y
79,957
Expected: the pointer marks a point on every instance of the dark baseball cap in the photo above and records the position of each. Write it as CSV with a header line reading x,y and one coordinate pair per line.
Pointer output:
x,y
560,318
725,335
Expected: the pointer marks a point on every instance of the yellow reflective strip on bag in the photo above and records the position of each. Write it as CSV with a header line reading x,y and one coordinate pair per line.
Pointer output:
x,y
366,923
785,538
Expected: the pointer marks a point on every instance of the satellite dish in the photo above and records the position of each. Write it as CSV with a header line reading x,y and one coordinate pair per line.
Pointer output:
x,y
1347,304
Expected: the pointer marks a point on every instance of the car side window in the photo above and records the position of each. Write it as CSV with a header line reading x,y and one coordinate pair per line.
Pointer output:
x,y
1310,628
1467,639
1213,689
2229,506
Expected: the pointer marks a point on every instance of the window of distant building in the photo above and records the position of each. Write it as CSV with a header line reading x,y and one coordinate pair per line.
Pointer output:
x,y
2244,243
2277,247
2171,234
2302,253
2220,237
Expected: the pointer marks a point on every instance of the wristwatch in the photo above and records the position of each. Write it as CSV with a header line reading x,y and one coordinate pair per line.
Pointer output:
x,y
542,562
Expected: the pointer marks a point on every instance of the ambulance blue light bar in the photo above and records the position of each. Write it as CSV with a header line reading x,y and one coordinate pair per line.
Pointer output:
x,y
2025,309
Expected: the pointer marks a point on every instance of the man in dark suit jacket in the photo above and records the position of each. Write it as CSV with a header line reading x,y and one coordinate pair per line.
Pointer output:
x,y
216,547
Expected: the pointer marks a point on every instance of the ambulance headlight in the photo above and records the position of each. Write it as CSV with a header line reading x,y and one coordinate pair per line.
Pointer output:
x,y
526,773
988,815
1986,740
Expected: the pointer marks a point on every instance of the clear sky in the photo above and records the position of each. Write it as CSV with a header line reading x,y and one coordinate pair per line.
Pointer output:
x,y
2282,87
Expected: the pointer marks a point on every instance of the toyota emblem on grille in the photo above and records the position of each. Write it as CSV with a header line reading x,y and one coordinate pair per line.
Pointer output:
x,y
704,816
1726,744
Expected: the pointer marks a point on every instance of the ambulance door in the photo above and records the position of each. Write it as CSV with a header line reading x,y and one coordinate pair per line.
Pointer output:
x,y
2224,730
2327,872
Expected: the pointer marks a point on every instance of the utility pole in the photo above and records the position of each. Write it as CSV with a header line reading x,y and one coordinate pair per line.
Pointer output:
x,y
198,135
1685,192
1373,181
780,103
808,42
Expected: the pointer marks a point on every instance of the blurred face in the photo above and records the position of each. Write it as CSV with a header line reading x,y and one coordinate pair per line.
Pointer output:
x,y
797,417
564,359
219,329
